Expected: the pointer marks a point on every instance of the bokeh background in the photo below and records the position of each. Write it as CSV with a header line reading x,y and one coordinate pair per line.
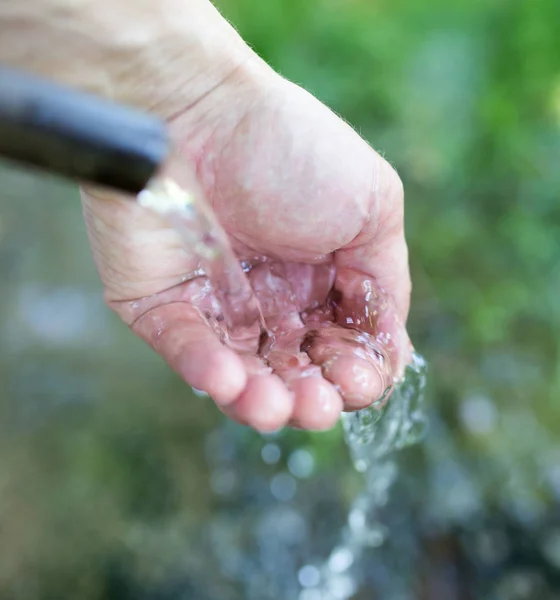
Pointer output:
x,y
118,483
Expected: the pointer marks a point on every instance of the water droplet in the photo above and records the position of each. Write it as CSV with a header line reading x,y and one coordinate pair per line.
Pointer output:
x,y
356,519
271,454
309,576
361,465
342,587
283,487
341,559
301,464
478,414
199,393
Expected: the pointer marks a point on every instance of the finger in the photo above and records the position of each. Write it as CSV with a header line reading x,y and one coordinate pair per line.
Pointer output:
x,y
358,372
314,405
358,381
362,305
317,404
265,404
313,402
179,333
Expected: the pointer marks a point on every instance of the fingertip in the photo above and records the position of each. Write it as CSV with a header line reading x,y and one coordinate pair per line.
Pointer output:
x,y
265,404
317,404
218,371
358,381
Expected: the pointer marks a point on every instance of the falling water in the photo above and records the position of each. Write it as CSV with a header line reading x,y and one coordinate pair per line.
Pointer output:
x,y
373,436
205,238
375,432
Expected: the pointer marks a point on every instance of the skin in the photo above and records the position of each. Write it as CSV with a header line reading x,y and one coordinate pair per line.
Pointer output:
x,y
288,180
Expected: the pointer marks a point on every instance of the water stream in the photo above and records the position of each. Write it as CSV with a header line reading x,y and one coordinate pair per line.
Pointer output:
x,y
373,437
204,237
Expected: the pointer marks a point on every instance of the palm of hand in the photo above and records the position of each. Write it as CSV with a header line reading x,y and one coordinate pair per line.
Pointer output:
x,y
312,206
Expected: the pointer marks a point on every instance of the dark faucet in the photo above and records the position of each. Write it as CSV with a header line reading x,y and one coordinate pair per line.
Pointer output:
x,y
77,135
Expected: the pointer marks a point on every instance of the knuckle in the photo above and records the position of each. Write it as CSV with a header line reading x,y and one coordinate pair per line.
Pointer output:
x,y
390,184
388,196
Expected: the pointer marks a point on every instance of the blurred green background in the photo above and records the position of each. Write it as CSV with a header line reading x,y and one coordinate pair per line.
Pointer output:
x,y
117,483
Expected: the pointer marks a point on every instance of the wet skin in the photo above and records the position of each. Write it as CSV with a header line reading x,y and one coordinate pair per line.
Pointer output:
x,y
320,216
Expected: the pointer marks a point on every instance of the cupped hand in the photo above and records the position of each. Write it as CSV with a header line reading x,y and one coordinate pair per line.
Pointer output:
x,y
319,215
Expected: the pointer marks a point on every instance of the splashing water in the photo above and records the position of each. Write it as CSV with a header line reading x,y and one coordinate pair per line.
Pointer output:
x,y
373,435
375,432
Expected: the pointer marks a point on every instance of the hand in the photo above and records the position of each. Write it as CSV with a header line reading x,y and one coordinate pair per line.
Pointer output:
x,y
291,183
